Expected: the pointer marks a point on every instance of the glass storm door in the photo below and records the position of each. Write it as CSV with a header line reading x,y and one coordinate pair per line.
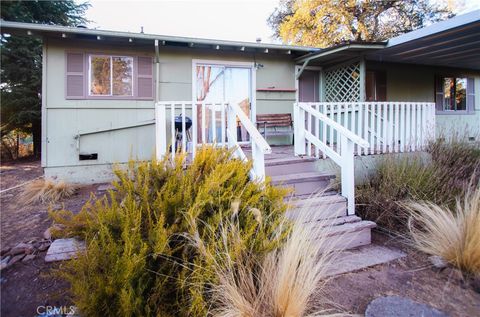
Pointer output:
x,y
223,83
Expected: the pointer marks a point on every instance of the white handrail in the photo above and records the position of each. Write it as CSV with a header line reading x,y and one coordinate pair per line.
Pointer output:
x,y
226,137
338,127
248,125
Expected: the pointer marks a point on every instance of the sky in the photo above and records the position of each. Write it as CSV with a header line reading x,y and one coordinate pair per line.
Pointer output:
x,y
239,20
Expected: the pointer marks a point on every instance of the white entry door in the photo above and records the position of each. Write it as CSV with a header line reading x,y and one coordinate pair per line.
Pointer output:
x,y
230,82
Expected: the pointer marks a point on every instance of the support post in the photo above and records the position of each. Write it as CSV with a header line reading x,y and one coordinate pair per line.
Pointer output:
x,y
363,75
160,131
299,129
348,174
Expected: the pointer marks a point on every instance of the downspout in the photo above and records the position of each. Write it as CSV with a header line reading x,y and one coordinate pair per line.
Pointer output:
x,y
157,72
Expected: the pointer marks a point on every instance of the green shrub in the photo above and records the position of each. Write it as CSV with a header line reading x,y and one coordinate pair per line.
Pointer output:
x,y
439,177
139,259
396,179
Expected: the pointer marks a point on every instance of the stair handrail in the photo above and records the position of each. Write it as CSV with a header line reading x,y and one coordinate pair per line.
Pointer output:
x,y
338,127
345,158
259,145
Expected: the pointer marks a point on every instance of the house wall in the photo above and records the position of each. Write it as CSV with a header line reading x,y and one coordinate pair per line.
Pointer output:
x,y
416,83
63,119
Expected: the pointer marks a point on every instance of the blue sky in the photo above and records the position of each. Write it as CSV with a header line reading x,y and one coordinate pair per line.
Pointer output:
x,y
240,20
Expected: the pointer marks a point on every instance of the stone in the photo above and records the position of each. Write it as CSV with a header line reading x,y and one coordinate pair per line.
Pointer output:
x,y
363,257
47,234
400,307
105,187
4,262
15,259
43,246
438,261
28,257
64,249
5,251
20,248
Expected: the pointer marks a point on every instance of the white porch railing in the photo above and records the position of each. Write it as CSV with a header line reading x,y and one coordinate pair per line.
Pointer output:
x,y
342,155
340,130
221,130
389,127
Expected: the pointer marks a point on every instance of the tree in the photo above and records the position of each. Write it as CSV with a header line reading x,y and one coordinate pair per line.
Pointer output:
x,y
21,60
323,23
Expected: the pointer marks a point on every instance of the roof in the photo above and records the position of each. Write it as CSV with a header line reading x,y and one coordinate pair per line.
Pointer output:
x,y
451,43
142,38
340,53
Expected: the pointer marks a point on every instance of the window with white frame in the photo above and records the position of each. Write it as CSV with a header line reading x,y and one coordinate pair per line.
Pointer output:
x,y
454,93
110,75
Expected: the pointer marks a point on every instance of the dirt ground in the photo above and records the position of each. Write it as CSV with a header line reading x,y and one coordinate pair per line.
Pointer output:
x,y
26,286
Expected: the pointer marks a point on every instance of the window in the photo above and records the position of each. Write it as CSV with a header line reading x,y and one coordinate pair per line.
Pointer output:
x,y
454,94
110,76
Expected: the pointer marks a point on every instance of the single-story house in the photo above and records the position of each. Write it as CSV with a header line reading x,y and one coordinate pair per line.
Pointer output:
x,y
106,95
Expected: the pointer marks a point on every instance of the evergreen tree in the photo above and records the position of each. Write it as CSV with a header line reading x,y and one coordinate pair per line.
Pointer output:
x,y
21,63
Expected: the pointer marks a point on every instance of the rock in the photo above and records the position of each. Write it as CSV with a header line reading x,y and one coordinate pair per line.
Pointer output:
x,y
400,307
47,234
20,248
4,262
15,259
438,261
64,249
5,251
105,187
43,246
28,257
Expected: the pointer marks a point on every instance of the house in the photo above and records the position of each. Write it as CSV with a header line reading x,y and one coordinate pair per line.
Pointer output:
x,y
111,96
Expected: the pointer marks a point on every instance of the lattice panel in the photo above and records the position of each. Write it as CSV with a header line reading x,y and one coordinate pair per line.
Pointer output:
x,y
343,84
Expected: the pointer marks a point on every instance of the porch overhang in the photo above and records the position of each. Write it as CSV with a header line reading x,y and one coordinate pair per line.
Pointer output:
x,y
339,53
451,43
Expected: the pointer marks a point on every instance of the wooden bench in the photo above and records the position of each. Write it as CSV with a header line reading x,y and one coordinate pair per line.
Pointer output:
x,y
274,121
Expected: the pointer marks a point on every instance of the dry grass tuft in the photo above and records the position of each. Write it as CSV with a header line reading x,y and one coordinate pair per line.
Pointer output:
x,y
451,234
286,282
46,191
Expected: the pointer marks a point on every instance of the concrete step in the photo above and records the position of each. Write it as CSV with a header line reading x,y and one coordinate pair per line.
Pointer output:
x,y
317,208
351,234
304,183
282,166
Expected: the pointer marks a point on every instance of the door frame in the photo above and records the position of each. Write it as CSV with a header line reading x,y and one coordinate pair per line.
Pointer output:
x,y
320,80
226,63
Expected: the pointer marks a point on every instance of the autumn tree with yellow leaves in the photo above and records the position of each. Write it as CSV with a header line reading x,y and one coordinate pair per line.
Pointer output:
x,y
323,23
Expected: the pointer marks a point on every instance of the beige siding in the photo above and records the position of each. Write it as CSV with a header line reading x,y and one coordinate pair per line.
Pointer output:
x,y
66,118
416,83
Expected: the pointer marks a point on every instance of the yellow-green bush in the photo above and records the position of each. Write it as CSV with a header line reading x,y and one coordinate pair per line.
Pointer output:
x,y
140,260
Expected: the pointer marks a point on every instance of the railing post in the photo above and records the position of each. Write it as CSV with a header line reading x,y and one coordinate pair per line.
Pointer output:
x,y
160,131
258,162
299,129
348,173
231,126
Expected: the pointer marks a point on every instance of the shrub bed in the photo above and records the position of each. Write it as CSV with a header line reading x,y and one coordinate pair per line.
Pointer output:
x,y
452,167
139,259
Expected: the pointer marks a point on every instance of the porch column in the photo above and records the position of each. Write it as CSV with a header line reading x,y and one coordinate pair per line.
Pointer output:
x,y
363,75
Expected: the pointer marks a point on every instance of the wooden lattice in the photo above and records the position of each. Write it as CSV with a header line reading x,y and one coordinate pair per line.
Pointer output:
x,y
343,84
